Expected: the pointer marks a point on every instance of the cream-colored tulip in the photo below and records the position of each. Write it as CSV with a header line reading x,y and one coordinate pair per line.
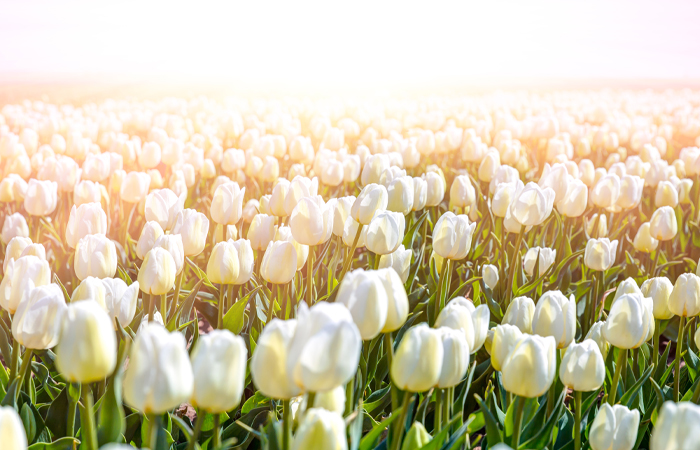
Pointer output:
x,y
373,198
311,220
95,256
452,236
520,312
420,193
461,314
373,168
643,242
20,277
675,428
173,244
627,286
15,225
597,226
659,289
606,191
582,367
663,224
546,257
614,427
88,192
227,204
15,248
262,231
600,254
350,232
299,188
555,315
455,361
223,265
489,273
37,321
596,334
268,365
631,189
279,193
12,434
341,212
435,190
462,192
575,201
279,262
488,166
532,204
150,233
385,232
88,218
685,296
530,367
666,195
163,206
400,194
135,187
320,429
193,226
399,260
418,360
505,338
157,272
630,322
41,197
557,178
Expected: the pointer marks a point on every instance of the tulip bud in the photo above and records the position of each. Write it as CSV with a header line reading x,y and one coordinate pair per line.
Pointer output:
x,y
87,349
615,427
312,221
320,429
532,205
520,312
41,197
350,232
630,322
219,368
193,226
268,366
135,186
95,256
557,178
150,155
600,254
157,272
582,367
530,367
420,193
223,264
643,242
418,361
341,212
455,361
606,191
299,188
13,188
279,262
20,277
385,232
663,224
435,188
555,315
250,209
399,260
659,289
373,168
503,339
574,202
37,321
173,244
279,192
631,189
416,437
15,225
462,193
627,286
12,434
489,273
88,218
461,314
227,204
452,236
14,250
400,194
261,231
666,195
596,335
373,198
88,192
546,257
503,197
159,376
163,206
685,296
489,165
285,234
333,172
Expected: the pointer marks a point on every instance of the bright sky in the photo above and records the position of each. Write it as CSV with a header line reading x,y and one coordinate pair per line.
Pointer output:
x,y
326,43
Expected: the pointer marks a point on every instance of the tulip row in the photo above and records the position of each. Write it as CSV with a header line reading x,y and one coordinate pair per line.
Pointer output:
x,y
191,274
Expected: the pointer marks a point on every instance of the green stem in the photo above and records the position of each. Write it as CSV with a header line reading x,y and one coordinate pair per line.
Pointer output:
x,y
151,307
310,276
389,344
216,439
15,359
220,318
271,308
552,394
164,307
438,411
619,363
377,258
513,261
351,253
87,419
26,361
657,335
70,429
401,424
679,350
311,398
517,421
197,429
439,304
286,428
577,418
178,287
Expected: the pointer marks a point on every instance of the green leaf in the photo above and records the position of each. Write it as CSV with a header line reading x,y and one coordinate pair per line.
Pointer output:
x,y
631,393
234,317
25,413
367,442
544,435
493,433
64,443
256,401
111,422
200,274
184,307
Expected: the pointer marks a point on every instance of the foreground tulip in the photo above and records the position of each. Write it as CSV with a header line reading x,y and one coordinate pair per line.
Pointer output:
x,y
268,365
87,349
20,277
373,198
520,313
219,368
385,232
312,221
37,321
685,296
600,254
15,225
663,224
12,434
95,256
325,331
88,218
532,204
643,242
279,263
120,300
41,197
452,236
193,226
505,337
227,204
529,369
418,361
173,244
157,272
582,367
159,376
461,314
630,322
320,429
416,437
676,428
555,315
455,361
614,427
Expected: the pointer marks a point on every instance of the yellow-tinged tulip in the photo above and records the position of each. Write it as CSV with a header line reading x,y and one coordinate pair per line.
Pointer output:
x,y
400,194
311,220
12,434
418,360
555,315
173,244
489,273
268,366
663,224
614,427
320,429
88,218
455,361
504,339
193,226
547,256
630,322
87,349
600,254
150,233
262,231
279,192
582,367
520,313
627,286
14,250
95,256
530,368
643,241
676,427
299,188
575,201
373,198
157,272
15,225
596,335
556,177
462,192
223,266
631,189
227,204
666,195
685,296
163,206
461,314
385,232
452,236
279,262
135,186
20,277
399,260
37,321
435,189
532,204
41,197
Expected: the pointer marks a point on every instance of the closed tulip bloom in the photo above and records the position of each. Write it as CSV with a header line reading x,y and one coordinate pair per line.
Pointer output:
x,y
373,198
12,434
299,188
452,236
250,209
520,313
676,428
261,231
630,322
659,289
684,188
627,286
87,192
663,224
631,189
455,361
489,165
92,289
373,168
532,204
87,349
504,339
351,168
150,155
320,429
279,193
417,437
120,300
163,206
135,186
385,232
462,193
596,334
503,197
546,257
489,273
363,293
37,321
208,170
95,256
615,427
20,277
400,192
279,262
333,172
420,193
606,191
685,296
461,314
435,188
63,170
418,361
14,250
15,225
157,272
600,254
575,201
159,376
557,178
223,264
530,368
325,350
341,212
504,174
350,231
88,218
597,226
268,366
582,367
173,244
150,233
227,204
666,195
219,368
555,315
193,226
643,242
13,188
285,234
399,260
312,220
41,197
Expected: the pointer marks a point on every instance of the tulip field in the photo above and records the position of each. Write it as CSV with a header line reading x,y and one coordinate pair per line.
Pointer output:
x,y
501,271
